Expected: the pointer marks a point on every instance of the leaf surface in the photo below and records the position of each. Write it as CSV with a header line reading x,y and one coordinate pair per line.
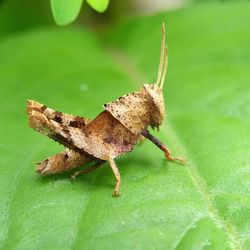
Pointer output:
x,y
204,205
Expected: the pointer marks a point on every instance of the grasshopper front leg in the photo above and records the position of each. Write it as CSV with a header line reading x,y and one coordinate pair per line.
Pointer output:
x,y
163,147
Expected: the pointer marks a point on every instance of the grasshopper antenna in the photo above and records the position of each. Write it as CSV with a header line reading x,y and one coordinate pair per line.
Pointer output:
x,y
159,76
165,68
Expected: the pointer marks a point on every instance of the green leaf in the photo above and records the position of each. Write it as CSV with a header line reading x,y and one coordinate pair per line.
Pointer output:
x,y
65,11
98,5
204,205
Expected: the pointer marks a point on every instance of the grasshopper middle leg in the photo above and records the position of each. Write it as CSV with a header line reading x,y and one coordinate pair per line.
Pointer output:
x,y
116,192
87,170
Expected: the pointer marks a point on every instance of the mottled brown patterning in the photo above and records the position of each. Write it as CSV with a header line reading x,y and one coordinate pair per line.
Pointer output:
x,y
112,133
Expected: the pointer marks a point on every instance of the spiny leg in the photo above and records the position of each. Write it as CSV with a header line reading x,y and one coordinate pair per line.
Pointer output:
x,y
87,170
116,192
163,147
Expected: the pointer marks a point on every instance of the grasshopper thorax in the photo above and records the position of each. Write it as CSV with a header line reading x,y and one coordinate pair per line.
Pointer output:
x,y
138,110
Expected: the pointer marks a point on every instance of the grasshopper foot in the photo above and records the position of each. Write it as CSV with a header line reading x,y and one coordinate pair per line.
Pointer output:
x,y
177,160
116,193
73,176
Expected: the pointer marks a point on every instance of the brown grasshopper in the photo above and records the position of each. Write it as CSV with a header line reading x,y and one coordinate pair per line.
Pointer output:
x,y
112,133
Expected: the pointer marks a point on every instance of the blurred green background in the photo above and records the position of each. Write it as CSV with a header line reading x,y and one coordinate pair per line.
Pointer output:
x,y
97,58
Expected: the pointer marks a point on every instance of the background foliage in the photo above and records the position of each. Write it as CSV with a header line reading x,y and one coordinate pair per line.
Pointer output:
x,y
66,11
204,205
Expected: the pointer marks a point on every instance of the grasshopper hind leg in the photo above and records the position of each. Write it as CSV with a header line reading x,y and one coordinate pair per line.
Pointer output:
x,y
64,161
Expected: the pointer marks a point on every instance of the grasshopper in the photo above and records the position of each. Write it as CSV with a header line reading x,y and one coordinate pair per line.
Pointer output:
x,y
114,132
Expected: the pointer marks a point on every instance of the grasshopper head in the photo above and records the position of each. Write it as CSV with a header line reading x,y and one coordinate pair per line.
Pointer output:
x,y
156,104
154,91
